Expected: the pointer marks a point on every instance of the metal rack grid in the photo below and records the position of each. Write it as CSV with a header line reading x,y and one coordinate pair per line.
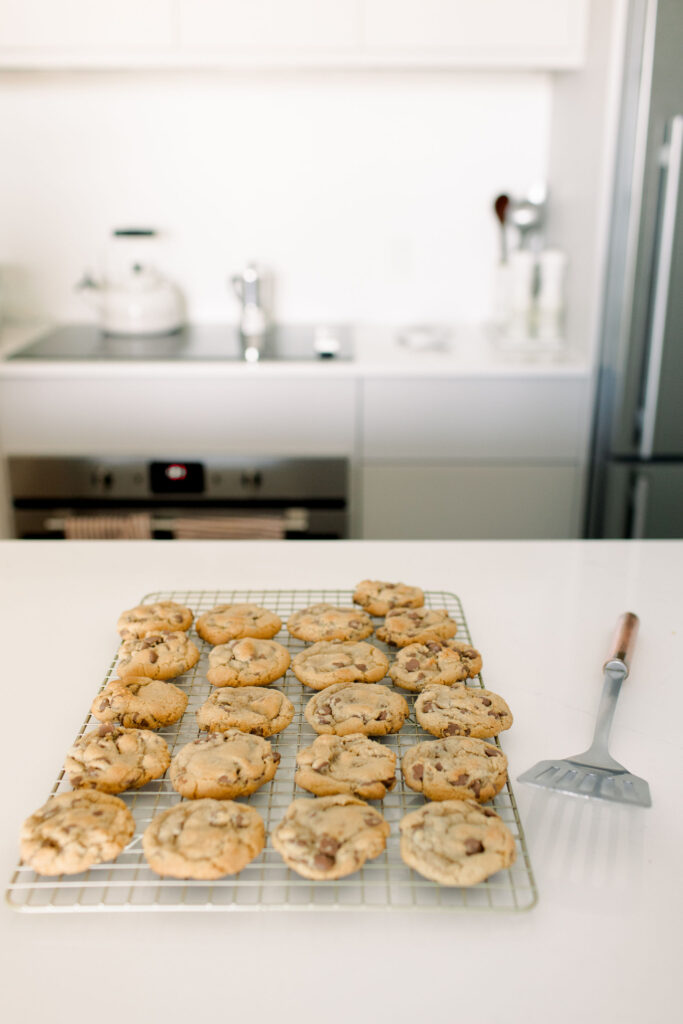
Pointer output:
x,y
385,883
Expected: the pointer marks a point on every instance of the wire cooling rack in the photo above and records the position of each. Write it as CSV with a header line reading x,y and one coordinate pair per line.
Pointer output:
x,y
385,883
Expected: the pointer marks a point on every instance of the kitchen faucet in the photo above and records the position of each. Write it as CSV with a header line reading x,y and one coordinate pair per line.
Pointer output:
x,y
248,286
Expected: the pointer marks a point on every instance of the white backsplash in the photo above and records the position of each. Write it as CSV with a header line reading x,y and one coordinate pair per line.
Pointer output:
x,y
369,195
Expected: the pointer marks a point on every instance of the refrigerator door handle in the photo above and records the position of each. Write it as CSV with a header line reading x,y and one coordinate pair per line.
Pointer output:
x,y
639,498
661,288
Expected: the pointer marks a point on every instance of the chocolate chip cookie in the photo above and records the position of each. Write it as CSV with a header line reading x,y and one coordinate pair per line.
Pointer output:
x,y
154,618
247,662
203,839
223,765
159,656
346,764
253,709
439,661
140,703
462,711
416,626
456,842
228,622
113,759
330,836
378,597
356,707
74,830
327,622
455,769
339,661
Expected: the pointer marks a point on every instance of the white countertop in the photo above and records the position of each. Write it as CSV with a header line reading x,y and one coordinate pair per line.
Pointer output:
x,y
474,353
603,943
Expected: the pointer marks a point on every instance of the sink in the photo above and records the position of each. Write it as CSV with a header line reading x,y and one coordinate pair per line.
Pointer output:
x,y
197,343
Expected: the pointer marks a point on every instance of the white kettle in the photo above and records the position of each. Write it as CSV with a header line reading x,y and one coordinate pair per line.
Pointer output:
x,y
133,298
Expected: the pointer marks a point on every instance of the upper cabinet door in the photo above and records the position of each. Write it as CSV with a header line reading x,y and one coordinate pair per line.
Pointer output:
x,y
315,33
269,25
85,25
499,33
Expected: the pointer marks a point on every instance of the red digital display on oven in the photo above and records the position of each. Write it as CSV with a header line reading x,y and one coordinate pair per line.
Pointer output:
x,y
176,477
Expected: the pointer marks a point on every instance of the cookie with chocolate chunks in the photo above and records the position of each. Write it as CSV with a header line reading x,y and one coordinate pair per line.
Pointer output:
x,y
456,842
438,661
339,661
255,709
203,839
74,830
462,711
223,765
416,626
455,768
346,764
228,622
327,622
139,702
247,662
154,618
112,759
378,597
158,656
356,707
330,836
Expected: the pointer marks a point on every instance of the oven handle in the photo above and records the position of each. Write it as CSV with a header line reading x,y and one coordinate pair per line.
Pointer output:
x,y
296,520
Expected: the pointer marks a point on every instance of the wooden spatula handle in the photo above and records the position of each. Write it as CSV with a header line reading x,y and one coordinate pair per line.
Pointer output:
x,y
624,638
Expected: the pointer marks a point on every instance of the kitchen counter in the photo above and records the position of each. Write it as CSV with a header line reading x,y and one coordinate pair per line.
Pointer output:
x,y
602,944
474,352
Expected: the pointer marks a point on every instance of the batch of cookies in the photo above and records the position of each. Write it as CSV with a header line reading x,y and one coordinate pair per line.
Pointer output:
x,y
451,839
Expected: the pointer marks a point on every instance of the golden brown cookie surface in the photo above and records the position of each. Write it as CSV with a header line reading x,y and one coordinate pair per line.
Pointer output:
x,y
203,839
228,622
112,759
74,830
455,768
346,764
339,661
356,707
456,842
223,765
461,710
329,836
378,597
153,618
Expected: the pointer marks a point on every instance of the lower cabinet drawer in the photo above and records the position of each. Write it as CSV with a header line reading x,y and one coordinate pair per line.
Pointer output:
x,y
471,502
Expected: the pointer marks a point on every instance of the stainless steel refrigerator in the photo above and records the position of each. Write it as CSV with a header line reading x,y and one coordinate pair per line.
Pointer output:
x,y
636,480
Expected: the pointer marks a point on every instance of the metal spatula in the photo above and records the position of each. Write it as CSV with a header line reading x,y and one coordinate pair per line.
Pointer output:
x,y
594,773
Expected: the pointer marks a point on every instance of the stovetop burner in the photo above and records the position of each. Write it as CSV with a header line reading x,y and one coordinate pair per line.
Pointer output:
x,y
202,343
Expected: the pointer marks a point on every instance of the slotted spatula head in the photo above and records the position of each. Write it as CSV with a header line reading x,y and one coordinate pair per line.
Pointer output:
x,y
594,773
580,779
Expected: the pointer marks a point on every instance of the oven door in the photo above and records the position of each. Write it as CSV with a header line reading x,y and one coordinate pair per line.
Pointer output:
x,y
179,499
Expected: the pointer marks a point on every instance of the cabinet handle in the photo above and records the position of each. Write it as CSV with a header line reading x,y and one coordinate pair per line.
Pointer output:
x,y
640,495
661,290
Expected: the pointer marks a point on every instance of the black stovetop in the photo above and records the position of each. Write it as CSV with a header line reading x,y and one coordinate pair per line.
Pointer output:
x,y
203,343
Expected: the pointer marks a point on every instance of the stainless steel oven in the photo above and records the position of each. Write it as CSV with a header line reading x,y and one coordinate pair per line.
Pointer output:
x,y
179,498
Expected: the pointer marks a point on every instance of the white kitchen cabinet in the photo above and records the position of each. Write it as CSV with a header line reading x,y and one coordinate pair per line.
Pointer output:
x,y
268,25
462,417
298,33
506,33
50,26
176,416
471,502
474,457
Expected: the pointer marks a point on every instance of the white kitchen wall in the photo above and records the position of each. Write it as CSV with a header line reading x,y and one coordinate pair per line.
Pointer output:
x,y
369,194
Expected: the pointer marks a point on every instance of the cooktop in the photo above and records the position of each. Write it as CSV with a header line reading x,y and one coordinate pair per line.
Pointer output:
x,y
207,342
